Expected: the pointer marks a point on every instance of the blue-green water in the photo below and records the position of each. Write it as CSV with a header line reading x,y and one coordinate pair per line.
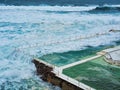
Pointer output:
x,y
23,26
61,2
64,58
97,74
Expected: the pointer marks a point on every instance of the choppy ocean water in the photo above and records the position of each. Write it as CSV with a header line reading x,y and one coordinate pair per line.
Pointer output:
x,y
24,26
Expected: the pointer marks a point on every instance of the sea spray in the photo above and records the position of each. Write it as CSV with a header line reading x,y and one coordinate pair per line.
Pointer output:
x,y
22,26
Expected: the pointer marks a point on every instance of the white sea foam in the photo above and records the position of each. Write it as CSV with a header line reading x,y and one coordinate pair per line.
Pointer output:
x,y
24,27
49,8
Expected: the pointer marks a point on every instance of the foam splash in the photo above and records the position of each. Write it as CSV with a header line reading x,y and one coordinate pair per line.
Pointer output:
x,y
22,26
48,8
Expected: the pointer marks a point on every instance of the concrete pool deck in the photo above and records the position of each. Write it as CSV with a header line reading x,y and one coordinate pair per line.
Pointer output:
x,y
62,59
88,74
111,55
96,73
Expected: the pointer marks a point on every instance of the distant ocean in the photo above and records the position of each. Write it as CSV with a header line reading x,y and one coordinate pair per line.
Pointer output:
x,y
59,2
24,23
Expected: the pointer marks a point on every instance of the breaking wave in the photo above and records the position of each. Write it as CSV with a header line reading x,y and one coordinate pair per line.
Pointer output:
x,y
22,26
59,9
60,2
103,9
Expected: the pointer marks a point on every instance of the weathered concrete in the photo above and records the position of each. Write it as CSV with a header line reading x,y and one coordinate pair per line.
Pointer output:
x,y
111,55
56,72
47,75
80,62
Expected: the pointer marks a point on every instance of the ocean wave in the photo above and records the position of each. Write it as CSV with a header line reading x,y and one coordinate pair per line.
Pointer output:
x,y
19,28
60,2
66,9
106,9
49,8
